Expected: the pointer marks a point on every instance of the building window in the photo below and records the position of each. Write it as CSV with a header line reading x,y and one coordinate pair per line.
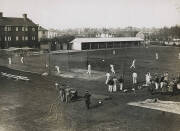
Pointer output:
x,y
9,38
5,38
17,38
26,37
17,28
9,28
26,28
33,38
23,38
43,32
22,28
33,29
5,28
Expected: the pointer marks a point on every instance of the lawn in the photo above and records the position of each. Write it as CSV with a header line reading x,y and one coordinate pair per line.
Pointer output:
x,y
26,105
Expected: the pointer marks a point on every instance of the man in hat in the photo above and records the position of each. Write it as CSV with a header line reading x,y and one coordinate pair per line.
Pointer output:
x,y
87,97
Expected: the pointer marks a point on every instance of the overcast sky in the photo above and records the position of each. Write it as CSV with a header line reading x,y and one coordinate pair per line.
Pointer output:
x,y
61,14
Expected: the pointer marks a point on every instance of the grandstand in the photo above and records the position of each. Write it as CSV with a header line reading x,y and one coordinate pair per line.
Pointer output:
x,y
105,43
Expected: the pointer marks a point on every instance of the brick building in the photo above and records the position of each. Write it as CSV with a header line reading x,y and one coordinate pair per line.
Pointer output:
x,y
18,32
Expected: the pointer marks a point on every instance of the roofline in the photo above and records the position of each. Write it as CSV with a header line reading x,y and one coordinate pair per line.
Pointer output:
x,y
138,39
28,19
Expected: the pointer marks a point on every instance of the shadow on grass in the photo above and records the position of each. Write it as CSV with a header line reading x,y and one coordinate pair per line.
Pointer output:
x,y
78,98
94,106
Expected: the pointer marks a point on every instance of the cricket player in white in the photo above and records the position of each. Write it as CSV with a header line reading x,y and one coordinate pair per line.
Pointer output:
x,y
22,60
56,85
89,69
57,68
148,78
107,77
133,64
134,75
115,84
112,69
157,56
10,61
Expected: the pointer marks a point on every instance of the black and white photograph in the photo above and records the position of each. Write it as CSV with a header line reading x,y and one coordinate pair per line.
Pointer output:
x,y
89,65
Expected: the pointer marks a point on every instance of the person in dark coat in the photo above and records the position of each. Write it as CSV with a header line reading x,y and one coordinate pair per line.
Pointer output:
x,y
161,81
121,81
156,82
62,93
68,95
110,85
87,97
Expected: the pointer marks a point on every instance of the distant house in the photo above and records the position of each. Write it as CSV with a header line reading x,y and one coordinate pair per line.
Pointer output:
x,y
18,32
144,35
140,35
175,42
42,33
105,43
43,39
52,33
104,35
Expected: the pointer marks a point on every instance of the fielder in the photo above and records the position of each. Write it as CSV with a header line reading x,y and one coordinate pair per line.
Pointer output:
x,y
134,75
115,85
22,60
107,77
10,61
133,64
57,68
148,78
89,69
157,56
112,69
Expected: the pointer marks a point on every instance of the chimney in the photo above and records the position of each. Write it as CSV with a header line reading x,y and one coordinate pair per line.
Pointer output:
x,y
25,16
1,14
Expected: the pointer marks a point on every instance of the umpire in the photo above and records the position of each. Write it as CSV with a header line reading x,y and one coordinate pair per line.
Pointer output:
x,y
87,97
